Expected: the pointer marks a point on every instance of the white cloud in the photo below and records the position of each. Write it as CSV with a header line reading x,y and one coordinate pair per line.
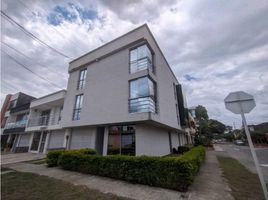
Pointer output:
x,y
223,45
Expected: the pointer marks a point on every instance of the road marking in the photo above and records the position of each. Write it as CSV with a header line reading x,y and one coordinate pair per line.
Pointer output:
x,y
264,165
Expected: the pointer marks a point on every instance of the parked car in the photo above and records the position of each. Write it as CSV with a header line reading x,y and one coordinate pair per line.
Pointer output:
x,y
239,142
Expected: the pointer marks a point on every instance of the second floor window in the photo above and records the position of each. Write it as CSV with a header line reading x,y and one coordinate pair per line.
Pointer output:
x,y
82,79
77,107
142,95
140,59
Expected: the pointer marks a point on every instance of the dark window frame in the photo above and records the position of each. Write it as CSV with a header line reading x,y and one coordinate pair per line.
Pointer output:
x,y
146,57
82,79
152,97
77,110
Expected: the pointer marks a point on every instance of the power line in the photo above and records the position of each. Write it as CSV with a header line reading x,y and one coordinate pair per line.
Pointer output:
x,y
29,10
28,69
19,52
31,34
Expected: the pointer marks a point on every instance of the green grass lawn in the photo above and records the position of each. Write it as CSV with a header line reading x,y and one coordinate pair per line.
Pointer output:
x,y
245,185
18,185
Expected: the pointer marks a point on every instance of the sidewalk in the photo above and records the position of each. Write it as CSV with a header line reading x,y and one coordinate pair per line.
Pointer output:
x,y
8,158
207,185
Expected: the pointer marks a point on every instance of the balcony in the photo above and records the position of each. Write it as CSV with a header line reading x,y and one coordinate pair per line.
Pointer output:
x,y
43,121
18,126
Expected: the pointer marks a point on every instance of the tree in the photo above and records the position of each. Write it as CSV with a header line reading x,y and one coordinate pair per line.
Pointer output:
x,y
201,113
214,126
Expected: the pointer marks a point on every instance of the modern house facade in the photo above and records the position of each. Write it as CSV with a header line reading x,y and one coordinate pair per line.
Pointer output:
x,y
16,118
121,98
44,124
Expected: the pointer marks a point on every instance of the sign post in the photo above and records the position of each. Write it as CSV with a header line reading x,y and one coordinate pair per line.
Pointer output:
x,y
241,103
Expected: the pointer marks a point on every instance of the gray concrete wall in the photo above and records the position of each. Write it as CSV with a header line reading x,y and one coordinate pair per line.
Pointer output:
x,y
151,140
107,86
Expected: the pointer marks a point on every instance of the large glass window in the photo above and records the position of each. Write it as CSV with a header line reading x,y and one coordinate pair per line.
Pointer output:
x,y
121,140
140,59
77,107
82,79
142,95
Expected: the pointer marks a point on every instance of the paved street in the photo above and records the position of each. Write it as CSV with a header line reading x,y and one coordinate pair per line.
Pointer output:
x,y
243,154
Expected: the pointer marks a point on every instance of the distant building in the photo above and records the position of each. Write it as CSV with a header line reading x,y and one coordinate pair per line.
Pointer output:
x,y
16,118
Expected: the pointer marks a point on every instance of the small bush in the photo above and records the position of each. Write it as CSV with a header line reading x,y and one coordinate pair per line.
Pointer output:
x,y
168,172
183,149
53,155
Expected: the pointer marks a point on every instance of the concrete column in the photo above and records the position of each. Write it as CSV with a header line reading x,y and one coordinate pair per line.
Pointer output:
x,y
47,142
67,138
105,141
52,119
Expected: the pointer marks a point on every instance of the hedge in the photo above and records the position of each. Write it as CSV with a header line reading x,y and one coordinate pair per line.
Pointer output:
x,y
53,155
168,172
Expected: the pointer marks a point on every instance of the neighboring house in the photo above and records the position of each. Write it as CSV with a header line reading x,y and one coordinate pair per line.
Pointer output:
x,y
16,119
4,117
121,98
44,125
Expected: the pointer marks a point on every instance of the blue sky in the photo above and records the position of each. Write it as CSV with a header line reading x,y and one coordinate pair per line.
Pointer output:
x,y
70,13
213,47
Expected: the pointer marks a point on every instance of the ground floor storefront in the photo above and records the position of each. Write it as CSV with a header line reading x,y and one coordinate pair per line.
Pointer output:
x,y
124,139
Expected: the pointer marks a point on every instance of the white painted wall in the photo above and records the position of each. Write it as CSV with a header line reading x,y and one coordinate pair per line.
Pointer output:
x,y
151,140
106,91
83,138
175,140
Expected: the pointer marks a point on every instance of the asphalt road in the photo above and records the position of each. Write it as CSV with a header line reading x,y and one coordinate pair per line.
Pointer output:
x,y
243,154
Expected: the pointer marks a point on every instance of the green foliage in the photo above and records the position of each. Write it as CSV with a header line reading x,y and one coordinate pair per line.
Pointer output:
x,y
215,126
168,172
201,113
53,155
183,149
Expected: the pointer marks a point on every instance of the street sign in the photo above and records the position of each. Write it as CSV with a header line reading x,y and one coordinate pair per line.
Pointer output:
x,y
240,103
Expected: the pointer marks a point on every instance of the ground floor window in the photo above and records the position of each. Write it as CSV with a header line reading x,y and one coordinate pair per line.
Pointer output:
x,y
121,140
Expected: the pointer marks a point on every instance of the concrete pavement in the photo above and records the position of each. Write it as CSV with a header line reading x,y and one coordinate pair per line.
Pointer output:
x,y
209,184
19,157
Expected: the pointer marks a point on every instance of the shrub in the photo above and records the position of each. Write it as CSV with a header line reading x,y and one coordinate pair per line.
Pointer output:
x,y
183,149
168,172
53,155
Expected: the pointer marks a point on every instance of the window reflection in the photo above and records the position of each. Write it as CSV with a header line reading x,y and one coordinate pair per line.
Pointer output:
x,y
142,95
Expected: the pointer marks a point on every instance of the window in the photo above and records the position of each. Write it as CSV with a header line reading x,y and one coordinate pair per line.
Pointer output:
x,y
142,95
140,59
60,113
121,140
82,79
77,107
